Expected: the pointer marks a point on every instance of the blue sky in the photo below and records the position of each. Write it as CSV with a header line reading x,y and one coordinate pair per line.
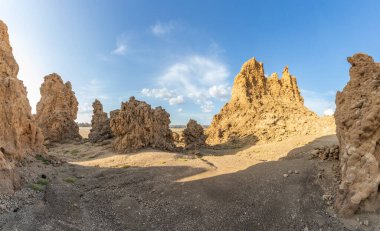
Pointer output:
x,y
184,55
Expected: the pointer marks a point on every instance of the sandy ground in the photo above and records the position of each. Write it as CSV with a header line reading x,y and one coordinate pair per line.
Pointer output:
x,y
84,131
220,189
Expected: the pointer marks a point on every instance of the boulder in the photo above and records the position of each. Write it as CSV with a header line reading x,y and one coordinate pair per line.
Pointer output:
x,y
136,125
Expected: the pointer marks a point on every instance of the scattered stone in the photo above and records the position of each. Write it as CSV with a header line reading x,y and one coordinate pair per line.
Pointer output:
x,y
366,222
358,130
57,110
286,175
326,152
193,135
296,172
265,109
100,129
290,171
136,125
19,134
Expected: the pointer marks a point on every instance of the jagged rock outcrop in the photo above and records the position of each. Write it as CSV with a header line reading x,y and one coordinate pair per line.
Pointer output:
x,y
136,125
100,129
57,110
261,108
358,129
19,134
193,135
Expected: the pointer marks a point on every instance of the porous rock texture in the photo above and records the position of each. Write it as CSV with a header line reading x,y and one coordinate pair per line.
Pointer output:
x,y
358,129
19,134
136,125
266,109
193,135
100,124
57,110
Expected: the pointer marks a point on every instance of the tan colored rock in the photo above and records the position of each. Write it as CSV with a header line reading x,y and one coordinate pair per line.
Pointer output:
x,y
57,110
193,135
136,125
266,109
358,129
100,129
19,135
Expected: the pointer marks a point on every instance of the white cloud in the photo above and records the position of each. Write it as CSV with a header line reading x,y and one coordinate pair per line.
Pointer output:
x,y
121,46
319,102
121,49
197,78
329,112
165,94
160,29
220,91
207,106
176,100
180,110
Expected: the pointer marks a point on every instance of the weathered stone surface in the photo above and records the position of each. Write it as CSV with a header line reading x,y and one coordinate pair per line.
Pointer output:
x,y
19,135
57,110
100,129
268,109
136,125
358,129
193,135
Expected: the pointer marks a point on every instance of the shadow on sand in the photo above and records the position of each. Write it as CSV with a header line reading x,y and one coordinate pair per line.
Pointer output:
x,y
151,198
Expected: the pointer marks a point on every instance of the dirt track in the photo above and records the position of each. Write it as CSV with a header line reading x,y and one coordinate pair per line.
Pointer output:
x,y
224,190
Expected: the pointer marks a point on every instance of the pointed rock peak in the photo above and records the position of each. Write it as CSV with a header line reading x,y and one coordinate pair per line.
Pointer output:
x,y
97,105
253,64
286,70
360,58
274,76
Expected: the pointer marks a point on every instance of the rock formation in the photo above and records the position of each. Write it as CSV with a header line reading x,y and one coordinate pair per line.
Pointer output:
x,y
358,129
57,110
261,108
19,134
194,135
136,125
101,129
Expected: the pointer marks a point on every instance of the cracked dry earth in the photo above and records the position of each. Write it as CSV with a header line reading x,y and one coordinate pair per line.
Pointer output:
x,y
222,189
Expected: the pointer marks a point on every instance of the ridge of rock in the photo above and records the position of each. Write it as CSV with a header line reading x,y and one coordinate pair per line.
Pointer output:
x,y
19,134
264,109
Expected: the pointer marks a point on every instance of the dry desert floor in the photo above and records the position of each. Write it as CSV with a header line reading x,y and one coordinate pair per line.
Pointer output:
x,y
82,186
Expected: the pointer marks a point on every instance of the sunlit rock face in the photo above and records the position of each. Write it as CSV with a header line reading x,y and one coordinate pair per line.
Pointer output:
x,y
100,124
357,119
136,125
57,110
266,109
19,134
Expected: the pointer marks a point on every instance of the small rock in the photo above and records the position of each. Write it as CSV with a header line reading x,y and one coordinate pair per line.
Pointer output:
x,y
286,175
296,172
366,222
290,172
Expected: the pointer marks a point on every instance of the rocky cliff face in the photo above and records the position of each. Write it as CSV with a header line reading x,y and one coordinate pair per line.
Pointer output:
x,y
136,125
57,110
261,108
358,129
19,135
100,129
193,135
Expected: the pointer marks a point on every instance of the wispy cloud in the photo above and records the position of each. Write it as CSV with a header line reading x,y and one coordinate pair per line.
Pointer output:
x,y
121,46
196,79
160,29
